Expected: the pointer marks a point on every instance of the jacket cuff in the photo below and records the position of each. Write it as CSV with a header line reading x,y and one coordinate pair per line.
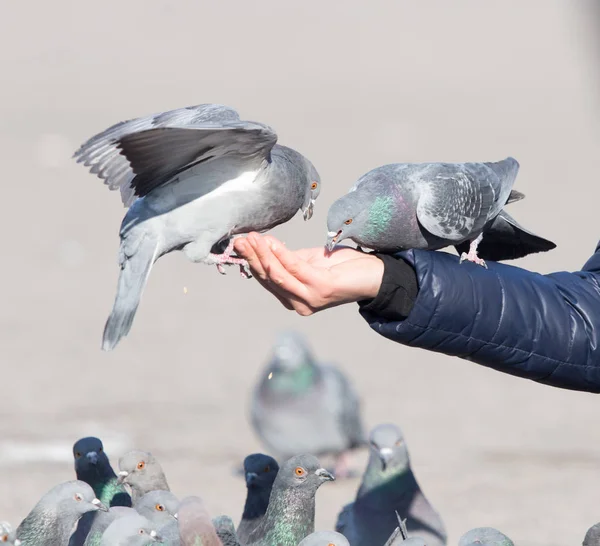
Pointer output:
x,y
398,291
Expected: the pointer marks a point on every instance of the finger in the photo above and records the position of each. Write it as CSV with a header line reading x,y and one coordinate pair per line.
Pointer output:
x,y
295,266
271,288
246,251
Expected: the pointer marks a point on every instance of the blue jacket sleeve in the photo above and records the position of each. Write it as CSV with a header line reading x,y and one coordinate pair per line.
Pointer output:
x,y
541,327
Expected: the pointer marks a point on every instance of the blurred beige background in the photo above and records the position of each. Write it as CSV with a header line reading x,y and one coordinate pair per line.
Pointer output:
x,y
352,85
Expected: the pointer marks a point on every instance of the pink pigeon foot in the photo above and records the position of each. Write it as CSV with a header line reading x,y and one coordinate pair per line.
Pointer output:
x,y
471,256
227,259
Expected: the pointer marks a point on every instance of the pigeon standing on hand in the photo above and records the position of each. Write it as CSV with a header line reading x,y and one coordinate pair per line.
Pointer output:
x,y
142,473
52,519
325,538
195,525
134,530
260,471
201,176
290,516
160,507
432,206
389,486
485,536
301,406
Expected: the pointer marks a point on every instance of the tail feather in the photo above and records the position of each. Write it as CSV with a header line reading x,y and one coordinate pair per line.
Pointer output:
x,y
135,270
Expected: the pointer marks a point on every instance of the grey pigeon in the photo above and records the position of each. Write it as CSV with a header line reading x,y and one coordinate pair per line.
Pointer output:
x,y
302,406
325,538
100,524
195,525
290,516
201,176
160,507
7,533
485,536
52,519
225,529
592,537
389,486
432,206
260,471
400,536
133,530
142,473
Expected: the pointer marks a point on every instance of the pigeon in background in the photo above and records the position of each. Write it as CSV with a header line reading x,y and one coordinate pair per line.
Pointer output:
x,y
325,538
260,471
142,473
400,536
432,206
195,525
290,516
7,533
301,406
160,508
485,536
389,486
225,529
133,530
52,519
201,176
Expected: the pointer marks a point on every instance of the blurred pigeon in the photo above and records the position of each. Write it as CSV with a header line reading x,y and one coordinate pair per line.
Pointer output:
x,y
325,538
195,525
389,486
225,529
160,507
134,530
99,524
7,533
434,205
592,537
202,175
290,516
301,406
260,471
485,536
400,536
53,518
142,472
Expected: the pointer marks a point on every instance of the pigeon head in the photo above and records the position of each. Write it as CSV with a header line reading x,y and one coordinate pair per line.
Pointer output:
x,y
325,538
74,498
290,352
89,457
388,449
7,534
141,471
132,530
160,507
302,472
347,217
260,471
485,536
313,190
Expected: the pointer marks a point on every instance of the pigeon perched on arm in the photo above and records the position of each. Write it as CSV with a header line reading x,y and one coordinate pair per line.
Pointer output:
x,y
201,176
290,516
432,206
485,536
301,406
195,525
142,473
389,486
260,471
325,538
226,531
52,519
160,508
134,530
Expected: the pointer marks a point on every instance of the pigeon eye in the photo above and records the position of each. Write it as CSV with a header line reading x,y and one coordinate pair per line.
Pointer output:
x,y
141,465
77,455
4,538
348,222
78,497
142,532
313,186
299,471
267,469
399,442
160,507
100,450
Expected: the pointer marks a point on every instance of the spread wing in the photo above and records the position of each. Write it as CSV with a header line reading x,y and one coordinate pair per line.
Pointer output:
x,y
139,155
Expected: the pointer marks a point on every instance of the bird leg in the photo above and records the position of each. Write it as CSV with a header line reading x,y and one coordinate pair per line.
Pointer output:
x,y
225,258
471,256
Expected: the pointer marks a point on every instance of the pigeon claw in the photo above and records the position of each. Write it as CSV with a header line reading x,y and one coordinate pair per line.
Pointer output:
x,y
472,258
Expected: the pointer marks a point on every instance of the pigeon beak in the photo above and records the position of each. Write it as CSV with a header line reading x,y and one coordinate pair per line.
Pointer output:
x,y
99,505
155,536
92,457
332,239
385,454
251,478
123,476
176,516
308,211
17,542
324,475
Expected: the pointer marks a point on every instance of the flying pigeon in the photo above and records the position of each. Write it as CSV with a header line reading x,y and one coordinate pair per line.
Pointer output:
x,y
432,206
302,406
134,530
260,471
52,519
290,516
142,473
485,536
389,486
193,178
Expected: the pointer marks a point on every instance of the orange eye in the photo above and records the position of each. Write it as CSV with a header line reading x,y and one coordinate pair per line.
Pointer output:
x,y
160,507
267,469
313,186
4,538
78,497
78,455
348,222
399,442
141,465
299,471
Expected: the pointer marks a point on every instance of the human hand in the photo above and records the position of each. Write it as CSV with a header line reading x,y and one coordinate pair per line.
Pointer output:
x,y
311,279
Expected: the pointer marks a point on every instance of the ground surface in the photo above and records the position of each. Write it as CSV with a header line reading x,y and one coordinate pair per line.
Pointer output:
x,y
352,87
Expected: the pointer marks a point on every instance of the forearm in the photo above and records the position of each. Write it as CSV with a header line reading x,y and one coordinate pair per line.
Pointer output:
x,y
534,326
